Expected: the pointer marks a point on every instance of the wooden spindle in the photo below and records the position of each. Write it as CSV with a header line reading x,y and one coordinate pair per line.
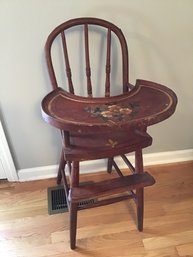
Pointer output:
x,y
88,70
68,69
108,65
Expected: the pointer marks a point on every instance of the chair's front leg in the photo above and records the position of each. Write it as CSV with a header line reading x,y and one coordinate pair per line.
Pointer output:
x,y
140,191
73,224
140,208
74,206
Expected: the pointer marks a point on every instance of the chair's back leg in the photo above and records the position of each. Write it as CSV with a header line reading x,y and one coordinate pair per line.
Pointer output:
x,y
61,168
140,191
109,165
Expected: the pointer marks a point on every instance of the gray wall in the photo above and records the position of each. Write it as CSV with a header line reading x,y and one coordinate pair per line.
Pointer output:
x,y
160,39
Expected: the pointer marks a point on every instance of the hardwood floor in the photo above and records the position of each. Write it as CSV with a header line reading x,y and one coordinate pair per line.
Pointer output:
x,y
26,229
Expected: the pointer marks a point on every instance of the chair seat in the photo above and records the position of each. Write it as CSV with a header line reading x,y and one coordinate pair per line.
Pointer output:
x,y
97,146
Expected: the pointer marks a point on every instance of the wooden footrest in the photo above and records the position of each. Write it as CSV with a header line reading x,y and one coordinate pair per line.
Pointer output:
x,y
112,186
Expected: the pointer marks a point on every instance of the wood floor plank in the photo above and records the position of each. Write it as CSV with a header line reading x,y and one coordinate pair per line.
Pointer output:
x,y
185,250
168,240
135,251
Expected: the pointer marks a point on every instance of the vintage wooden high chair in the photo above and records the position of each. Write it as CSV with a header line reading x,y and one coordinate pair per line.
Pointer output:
x,y
102,127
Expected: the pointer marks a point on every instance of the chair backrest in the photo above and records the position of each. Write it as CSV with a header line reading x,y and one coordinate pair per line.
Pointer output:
x,y
84,26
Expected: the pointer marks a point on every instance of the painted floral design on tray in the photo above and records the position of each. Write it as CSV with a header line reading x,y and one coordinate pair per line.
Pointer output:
x,y
114,111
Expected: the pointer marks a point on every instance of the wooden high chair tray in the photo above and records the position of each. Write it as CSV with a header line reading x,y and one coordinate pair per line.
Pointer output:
x,y
146,104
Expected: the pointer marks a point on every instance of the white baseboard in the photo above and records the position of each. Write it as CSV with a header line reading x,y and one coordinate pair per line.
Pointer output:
x,y
100,165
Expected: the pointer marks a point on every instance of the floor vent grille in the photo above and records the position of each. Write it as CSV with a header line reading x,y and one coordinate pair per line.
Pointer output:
x,y
57,200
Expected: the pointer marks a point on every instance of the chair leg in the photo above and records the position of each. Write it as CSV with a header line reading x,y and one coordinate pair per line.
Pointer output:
x,y
73,224
109,165
140,191
61,168
74,206
140,208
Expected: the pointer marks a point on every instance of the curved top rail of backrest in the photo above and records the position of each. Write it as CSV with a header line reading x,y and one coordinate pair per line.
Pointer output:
x,y
88,21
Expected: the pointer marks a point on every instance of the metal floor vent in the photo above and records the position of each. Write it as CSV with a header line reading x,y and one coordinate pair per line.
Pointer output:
x,y
57,200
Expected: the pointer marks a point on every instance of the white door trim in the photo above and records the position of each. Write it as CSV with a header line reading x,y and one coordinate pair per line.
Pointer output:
x,y
6,158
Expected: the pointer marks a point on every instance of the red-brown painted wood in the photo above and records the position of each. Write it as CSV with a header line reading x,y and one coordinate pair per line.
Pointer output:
x,y
111,186
146,104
